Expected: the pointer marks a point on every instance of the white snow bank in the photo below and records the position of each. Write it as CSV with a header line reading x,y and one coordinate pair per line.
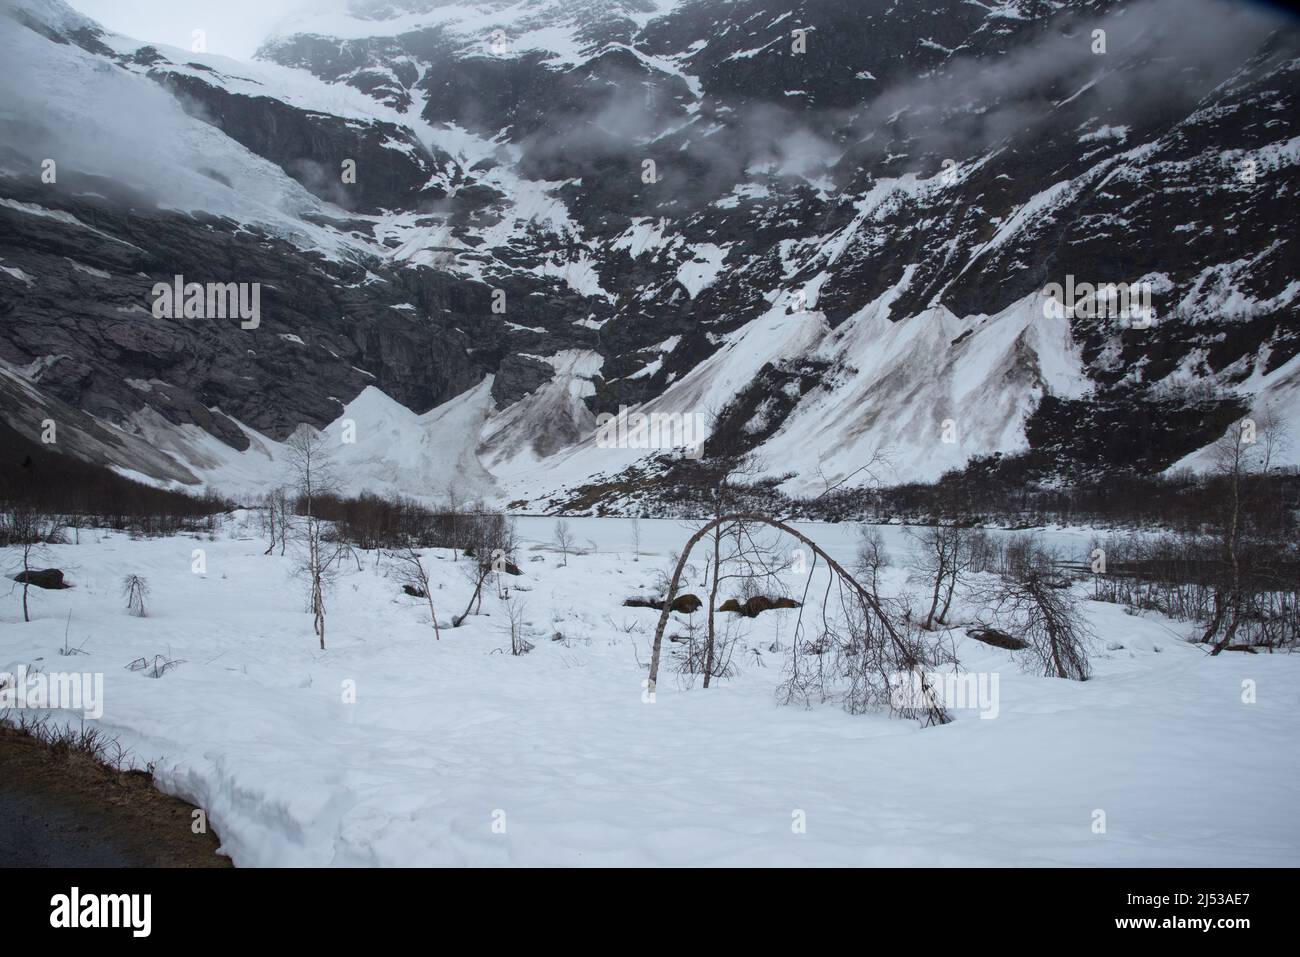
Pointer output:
x,y
448,738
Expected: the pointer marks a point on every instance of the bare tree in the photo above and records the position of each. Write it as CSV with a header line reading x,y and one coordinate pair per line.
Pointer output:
x,y
477,573
872,557
1033,603
563,540
867,642
276,518
412,573
313,477
491,543
696,658
29,529
267,522
636,538
135,590
1240,459
944,555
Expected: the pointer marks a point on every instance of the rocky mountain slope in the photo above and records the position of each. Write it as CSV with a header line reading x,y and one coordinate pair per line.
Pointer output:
x,y
825,226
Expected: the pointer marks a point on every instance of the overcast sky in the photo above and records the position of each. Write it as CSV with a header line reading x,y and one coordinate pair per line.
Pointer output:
x,y
234,27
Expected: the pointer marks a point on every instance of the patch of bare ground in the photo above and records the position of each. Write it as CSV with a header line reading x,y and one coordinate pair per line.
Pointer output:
x,y
61,807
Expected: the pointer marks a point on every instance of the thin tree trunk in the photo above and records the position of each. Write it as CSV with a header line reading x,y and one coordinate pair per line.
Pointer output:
x,y
713,603
27,581
319,600
457,622
1234,607
934,603
947,601
437,635
1215,622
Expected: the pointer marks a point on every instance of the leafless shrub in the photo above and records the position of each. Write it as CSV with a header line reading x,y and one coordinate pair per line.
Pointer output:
x,y
694,656
629,626
515,621
88,740
135,590
410,571
943,558
155,667
1182,576
67,650
1034,604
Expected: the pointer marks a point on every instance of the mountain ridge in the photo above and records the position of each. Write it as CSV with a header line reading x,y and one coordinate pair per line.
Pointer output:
x,y
834,264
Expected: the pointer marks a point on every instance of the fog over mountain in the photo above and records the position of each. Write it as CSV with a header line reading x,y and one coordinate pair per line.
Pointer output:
x,y
824,226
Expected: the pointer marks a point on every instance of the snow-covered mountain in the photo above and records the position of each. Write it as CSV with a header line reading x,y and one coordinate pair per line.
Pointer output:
x,y
826,226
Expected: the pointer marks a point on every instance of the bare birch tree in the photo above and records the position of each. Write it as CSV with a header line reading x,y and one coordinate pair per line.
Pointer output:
x,y
944,555
29,530
1240,459
313,477
276,518
563,540
412,573
872,557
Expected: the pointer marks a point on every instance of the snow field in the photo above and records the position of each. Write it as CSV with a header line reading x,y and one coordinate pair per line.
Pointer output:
x,y
456,753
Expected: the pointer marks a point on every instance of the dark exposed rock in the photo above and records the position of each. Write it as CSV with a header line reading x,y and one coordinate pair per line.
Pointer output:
x,y
1142,190
50,578
312,147
996,638
755,606
685,604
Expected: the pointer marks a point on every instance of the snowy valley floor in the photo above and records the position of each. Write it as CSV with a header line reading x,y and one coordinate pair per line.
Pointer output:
x,y
456,753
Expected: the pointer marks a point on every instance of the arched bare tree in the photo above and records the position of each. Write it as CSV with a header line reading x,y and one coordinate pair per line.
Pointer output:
x,y
868,632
